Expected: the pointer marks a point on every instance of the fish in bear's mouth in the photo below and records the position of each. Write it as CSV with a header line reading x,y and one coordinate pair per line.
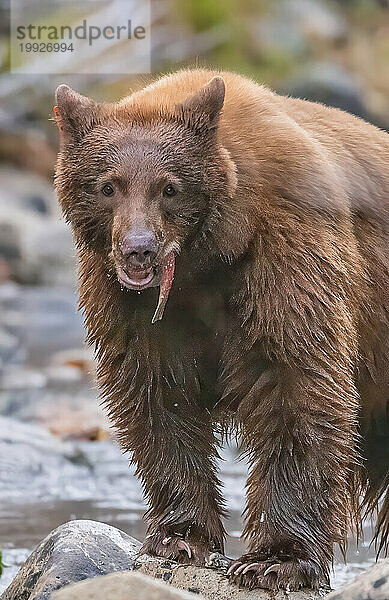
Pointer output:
x,y
142,279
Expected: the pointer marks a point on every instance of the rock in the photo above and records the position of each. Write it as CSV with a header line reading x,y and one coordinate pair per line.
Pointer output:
x,y
40,247
25,146
9,249
29,192
122,586
74,551
56,398
81,550
332,85
277,34
35,242
315,18
19,378
35,467
292,26
372,585
9,345
43,318
212,584
16,557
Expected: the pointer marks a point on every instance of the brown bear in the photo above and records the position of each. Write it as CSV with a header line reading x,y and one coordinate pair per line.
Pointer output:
x,y
233,263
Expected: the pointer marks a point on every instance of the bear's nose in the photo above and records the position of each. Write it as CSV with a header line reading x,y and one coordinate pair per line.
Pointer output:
x,y
139,247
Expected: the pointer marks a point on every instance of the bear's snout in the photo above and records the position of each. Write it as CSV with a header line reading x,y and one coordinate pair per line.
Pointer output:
x,y
139,247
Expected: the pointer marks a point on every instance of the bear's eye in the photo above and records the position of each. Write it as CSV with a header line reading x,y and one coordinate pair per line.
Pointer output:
x,y
169,190
107,189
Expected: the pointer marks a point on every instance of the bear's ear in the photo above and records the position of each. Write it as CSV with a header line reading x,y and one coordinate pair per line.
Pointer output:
x,y
202,110
74,114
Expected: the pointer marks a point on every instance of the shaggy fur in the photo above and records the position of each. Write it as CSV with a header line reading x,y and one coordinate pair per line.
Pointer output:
x,y
277,320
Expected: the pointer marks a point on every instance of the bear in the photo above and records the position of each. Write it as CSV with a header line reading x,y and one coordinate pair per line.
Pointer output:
x,y
233,272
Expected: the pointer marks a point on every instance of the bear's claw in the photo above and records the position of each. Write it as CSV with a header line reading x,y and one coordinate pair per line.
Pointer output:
x,y
272,569
256,571
174,547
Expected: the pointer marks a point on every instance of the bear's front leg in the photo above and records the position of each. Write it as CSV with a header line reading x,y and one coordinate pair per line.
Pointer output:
x,y
176,463
173,445
299,427
154,395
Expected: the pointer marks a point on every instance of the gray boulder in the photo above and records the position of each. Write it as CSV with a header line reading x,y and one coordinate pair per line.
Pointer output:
x,y
74,551
35,241
330,84
35,466
43,318
122,586
9,345
333,85
372,585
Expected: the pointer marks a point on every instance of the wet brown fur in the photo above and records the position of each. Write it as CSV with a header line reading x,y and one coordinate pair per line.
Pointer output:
x,y
277,321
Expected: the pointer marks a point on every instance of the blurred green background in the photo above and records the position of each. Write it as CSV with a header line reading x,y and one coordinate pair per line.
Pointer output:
x,y
334,51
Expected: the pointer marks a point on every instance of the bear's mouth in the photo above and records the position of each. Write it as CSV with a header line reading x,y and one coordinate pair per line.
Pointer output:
x,y
141,279
137,279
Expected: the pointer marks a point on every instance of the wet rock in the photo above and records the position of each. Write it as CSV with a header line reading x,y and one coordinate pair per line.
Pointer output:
x,y
16,557
10,255
9,345
36,466
57,398
74,551
35,242
43,318
20,378
123,586
45,372
29,192
40,380
372,585
40,250
81,550
80,359
45,481
211,583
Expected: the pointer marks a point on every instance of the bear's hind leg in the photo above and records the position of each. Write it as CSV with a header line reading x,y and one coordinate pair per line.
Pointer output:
x,y
374,428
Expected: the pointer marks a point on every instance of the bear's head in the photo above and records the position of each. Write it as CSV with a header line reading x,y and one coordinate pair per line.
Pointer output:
x,y
143,185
